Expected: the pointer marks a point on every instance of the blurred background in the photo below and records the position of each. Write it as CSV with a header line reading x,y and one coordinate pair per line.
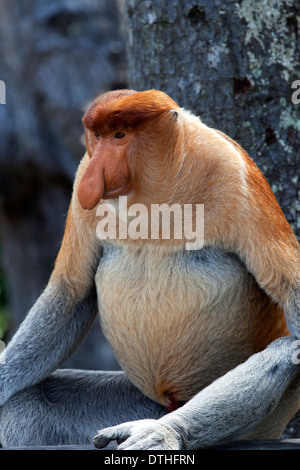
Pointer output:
x,y
55,58
231,62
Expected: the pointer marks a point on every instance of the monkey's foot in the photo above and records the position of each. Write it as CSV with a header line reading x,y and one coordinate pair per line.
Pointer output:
x,y
146,434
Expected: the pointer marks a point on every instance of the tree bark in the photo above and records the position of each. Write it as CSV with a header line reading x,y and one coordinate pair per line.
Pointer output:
x,y
232,63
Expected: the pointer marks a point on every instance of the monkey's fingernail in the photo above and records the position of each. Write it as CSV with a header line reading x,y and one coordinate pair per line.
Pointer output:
x,y
100,441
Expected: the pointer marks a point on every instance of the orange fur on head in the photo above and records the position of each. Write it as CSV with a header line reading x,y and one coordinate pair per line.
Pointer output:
x,y
126,108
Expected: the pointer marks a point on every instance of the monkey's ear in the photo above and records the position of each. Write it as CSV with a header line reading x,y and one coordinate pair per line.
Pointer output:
x,y
174,114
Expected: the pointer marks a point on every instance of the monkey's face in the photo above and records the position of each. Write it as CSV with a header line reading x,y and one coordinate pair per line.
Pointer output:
x,y
126,143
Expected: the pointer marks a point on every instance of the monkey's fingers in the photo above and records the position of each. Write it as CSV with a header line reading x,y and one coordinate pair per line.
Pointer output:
x,y
144,434
117,433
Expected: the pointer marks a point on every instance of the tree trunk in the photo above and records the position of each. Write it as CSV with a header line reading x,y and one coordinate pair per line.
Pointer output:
x,y
55,57
233,63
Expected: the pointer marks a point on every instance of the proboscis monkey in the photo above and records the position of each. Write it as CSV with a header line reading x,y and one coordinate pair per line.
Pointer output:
x,y
201,334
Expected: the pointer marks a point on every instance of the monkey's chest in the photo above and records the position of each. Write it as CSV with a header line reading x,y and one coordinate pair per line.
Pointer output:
x,y
155,310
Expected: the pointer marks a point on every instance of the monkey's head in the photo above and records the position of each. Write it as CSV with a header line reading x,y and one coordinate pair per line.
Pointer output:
x,y
121,127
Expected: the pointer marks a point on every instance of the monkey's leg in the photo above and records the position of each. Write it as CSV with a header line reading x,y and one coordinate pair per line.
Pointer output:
x,y
69,406
273,426
230,408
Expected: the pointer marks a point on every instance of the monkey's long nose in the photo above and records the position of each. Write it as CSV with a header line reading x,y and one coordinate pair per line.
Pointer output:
x,y
92,184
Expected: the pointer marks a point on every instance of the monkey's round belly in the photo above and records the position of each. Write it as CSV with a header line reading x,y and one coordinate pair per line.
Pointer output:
x,y
174,319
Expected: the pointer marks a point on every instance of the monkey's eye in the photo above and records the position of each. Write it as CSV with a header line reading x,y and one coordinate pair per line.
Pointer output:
x,y
119,135
97,135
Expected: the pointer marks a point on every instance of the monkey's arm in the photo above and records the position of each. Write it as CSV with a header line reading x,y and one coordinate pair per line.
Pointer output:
x,y
262,237
52,330
61,316
230,408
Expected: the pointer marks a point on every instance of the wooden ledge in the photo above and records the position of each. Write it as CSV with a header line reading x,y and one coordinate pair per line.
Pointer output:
x,y
274,444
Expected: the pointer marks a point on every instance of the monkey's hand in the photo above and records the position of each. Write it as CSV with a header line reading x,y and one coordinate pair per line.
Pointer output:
x,y
145,434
